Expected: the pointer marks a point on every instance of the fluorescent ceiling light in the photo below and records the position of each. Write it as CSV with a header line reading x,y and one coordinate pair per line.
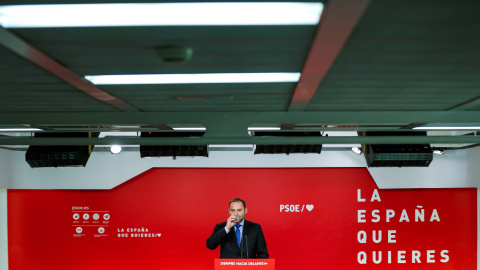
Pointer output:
x,y
160,14
230,145
194,78
107,146
19,129
263,128
118,134
447,128
190,128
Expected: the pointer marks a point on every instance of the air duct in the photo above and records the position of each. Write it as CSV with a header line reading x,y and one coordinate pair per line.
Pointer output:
x,y
397,155
286,148
173,150
38,156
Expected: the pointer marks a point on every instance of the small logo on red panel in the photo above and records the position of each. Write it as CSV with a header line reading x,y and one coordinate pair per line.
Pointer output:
x,y
296,208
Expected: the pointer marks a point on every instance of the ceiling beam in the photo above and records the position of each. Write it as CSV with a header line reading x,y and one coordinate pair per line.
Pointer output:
x,y
338,20
241,140
29,52
242,118
233,124
474,103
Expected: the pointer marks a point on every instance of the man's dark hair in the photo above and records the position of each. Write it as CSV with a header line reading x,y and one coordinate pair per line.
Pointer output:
x,y
237,200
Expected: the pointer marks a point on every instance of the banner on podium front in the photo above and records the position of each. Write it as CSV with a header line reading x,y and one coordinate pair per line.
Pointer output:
x,y
247,264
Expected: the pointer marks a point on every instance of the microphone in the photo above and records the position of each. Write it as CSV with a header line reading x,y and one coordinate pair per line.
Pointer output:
x,y
241,249
246,244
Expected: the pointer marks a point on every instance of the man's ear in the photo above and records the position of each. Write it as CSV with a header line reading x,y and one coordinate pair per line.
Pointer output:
x,y
246,210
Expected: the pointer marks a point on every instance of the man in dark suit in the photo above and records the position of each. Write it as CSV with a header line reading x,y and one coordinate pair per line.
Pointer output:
x,y
237,237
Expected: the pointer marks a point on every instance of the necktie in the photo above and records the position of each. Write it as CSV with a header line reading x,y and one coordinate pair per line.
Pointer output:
x,y
238,234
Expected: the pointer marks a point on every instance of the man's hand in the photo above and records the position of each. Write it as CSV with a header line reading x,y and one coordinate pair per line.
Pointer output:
x,y
231,221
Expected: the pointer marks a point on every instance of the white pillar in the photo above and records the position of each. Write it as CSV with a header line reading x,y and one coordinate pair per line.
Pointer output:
x,y
3,230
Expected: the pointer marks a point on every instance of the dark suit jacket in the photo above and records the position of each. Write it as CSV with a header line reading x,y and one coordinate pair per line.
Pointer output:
x,y
257,247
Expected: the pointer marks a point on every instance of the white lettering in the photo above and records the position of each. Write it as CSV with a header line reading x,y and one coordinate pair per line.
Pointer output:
x,y
362,257
444,255
390,214
375,259
430,256
404,216
375,196
377,239
416,256
419,215
361,216
359,196
362,237
376,215
391,236
401,256
290,208
435,216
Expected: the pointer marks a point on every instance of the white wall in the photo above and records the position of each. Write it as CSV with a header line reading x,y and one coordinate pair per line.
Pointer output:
x,y
457,168
446,171
105,171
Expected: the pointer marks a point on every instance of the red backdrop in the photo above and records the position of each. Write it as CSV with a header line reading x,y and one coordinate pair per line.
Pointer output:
x,y
178,208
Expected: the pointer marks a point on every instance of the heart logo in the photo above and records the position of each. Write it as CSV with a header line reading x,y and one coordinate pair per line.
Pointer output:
x,y
309,207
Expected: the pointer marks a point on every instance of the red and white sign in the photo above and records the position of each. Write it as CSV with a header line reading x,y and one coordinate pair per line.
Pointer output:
x,y
244,264
312,218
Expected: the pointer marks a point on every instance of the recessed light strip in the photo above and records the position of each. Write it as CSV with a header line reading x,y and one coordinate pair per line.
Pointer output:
x,y
447,128
230,145
194,78
160,14
190,128
19,129
263,128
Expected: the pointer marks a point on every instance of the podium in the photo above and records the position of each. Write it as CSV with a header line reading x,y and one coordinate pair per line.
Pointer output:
x,y
244,264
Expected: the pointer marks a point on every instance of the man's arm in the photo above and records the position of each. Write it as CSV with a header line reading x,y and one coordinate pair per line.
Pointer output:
x,y
218,234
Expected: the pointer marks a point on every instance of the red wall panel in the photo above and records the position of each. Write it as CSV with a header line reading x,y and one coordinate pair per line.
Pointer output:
x,y
179,208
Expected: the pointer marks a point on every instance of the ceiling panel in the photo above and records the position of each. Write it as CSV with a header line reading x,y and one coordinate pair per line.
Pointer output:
x,y
206,97
25,87
407,55
132,50
402,58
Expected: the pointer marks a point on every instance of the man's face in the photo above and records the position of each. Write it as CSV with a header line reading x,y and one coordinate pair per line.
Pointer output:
x,y
237,209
